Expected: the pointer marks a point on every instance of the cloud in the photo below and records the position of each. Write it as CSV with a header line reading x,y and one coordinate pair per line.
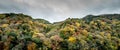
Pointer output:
x,y
57,10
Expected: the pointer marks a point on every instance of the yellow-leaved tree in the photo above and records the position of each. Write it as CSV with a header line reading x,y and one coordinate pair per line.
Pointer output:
x,y
72,39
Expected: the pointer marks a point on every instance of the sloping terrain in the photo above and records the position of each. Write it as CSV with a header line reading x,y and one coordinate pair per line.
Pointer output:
x,y
22,32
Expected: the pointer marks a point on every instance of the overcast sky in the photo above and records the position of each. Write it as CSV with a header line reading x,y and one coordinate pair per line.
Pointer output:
x,y
58,10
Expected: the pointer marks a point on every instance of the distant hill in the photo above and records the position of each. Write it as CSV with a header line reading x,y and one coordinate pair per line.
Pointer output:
x,y
13,15
42,21
92,32
105,16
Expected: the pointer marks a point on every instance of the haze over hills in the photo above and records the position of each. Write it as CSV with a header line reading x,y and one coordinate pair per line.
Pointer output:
x,y
93,32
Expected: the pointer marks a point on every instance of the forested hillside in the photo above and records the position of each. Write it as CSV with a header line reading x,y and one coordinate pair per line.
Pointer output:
x,y
22,32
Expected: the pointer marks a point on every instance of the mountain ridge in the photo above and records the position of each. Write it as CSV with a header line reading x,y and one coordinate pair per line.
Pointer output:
x,y
22,32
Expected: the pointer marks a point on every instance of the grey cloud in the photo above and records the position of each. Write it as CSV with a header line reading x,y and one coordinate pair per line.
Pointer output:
x,y
57,10
11,6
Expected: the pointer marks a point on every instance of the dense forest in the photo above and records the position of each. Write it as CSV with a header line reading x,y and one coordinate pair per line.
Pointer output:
x,y
93,32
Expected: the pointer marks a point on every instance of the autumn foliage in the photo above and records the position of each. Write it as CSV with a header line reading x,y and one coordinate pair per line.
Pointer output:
x,y
22,32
